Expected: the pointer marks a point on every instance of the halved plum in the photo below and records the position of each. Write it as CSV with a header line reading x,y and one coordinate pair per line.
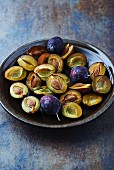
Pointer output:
x,y
101,84
15,73
81,87
30,104
18,90
91,99
33,81
71,96
71,110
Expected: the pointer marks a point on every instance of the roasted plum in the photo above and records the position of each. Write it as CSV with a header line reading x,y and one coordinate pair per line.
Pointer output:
x,y
33,81
71,96
44,90
30,104
82,88
50,105
96,69
101,84
68,50
76,59
44,71
15,73
27,62
56,84
71,110
56,61
37,50
18,90
43,59
79,74
91,99
55,45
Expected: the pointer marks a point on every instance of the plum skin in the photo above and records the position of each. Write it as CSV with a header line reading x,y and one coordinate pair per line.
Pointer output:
x,y
79,74
55,45
50,105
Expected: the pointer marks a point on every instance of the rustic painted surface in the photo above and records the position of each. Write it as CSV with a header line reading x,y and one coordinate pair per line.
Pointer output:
x,y
88,147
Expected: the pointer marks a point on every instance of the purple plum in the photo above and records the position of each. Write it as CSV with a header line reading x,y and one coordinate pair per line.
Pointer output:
x,y
55,45
50,105
79,74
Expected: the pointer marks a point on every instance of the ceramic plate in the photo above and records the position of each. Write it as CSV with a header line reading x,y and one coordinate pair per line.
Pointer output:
x,y
13,106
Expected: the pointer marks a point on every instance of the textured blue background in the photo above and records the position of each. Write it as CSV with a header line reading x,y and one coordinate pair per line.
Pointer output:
x,y
88,147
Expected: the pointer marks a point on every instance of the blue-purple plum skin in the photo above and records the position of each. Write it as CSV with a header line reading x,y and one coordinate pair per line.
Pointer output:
x,y
50,105
55,45
79,74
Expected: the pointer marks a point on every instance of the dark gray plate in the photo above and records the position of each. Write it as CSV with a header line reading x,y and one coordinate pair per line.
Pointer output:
x,y
89,113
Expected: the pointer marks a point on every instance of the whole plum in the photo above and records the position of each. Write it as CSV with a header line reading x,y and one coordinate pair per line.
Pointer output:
x,y
79,74
50,105
55,45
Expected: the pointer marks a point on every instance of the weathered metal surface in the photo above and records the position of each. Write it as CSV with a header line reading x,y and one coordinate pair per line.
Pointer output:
x,y
85,147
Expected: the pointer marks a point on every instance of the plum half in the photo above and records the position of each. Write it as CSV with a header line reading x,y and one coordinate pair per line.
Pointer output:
x,y
18,90
44,90
82,88
56,83
56,61
15,73
27,62
96,69
44,71
30,104
71,110
76,59
91,99
36,50
71,96
33,81
68,50
101,84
